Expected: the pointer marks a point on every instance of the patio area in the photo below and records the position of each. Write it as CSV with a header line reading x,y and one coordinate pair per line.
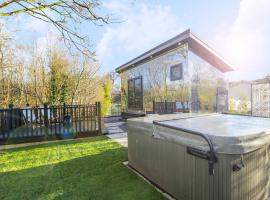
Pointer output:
x,y
117,130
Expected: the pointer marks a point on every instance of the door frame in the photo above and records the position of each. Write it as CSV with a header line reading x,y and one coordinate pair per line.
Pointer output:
x,y
134,106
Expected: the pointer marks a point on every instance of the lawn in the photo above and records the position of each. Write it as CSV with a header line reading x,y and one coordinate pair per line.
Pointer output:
x,y
89,168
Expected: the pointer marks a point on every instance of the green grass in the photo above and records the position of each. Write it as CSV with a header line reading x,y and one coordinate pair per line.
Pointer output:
x,y
79,169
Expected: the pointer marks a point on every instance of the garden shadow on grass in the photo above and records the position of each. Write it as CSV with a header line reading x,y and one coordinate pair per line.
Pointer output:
x,y
98,176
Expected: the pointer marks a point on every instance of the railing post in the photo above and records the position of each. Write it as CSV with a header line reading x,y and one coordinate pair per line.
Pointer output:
x,y
166,107
154,106
64,109
10,118
98,108
46,119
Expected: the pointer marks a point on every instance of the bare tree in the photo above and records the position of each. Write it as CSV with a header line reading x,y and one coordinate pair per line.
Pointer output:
x,y
64,15
33,75
84,82
10,64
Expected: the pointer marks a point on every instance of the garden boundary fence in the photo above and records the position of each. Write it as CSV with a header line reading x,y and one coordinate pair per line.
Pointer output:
x,y
49,122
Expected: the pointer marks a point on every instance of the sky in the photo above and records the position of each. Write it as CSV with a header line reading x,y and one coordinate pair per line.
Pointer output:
x,y
238,30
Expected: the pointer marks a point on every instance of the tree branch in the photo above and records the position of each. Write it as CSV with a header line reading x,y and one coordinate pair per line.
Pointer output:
x,y
25,10
64,15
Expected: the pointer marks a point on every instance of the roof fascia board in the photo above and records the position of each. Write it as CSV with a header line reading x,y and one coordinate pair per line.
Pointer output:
x,y
211,50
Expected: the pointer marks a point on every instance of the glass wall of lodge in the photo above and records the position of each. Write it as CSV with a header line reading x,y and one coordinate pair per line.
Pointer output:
x,y
177,76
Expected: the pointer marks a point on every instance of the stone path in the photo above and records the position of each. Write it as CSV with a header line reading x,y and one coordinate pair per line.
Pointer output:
x,y
117,130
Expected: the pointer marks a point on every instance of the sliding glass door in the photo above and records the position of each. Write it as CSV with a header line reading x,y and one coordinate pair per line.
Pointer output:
x,y
135,94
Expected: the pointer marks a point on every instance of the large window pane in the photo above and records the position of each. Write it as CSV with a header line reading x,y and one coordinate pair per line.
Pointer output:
x,y
135,94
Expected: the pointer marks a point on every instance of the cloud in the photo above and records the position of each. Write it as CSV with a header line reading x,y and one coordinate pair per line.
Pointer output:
x,y
29,30
247,41
35,25
143,27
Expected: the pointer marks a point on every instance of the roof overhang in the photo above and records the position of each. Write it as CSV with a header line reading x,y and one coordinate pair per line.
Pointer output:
x,y
196,45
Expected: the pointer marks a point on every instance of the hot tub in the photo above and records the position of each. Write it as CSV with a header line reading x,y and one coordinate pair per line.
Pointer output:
x,y
204,157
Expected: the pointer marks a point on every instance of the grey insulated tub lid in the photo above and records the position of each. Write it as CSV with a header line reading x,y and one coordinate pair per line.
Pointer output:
x,y
230,134
145,124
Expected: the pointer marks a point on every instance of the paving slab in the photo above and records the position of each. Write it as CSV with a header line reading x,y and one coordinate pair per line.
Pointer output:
x,y
117,131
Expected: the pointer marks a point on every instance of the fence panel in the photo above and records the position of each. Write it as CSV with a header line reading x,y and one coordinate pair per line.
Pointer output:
x,y
49,122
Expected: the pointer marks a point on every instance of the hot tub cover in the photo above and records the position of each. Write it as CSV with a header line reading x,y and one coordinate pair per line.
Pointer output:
x,y
230,134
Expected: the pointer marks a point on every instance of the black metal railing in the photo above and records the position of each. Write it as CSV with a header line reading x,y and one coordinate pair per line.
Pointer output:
x,y
49,121
167,107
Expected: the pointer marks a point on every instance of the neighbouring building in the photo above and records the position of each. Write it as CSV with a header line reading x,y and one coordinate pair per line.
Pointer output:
x,y
183,69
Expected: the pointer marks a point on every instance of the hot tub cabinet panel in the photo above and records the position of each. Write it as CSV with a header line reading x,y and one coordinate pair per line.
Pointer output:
x,y
167,164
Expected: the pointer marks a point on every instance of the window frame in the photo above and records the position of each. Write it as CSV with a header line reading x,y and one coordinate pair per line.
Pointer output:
x,y
174,78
